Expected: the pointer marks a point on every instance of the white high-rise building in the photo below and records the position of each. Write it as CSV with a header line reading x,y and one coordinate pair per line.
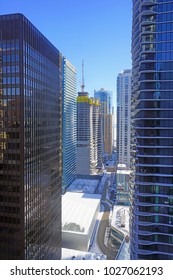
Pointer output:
x,y
123,116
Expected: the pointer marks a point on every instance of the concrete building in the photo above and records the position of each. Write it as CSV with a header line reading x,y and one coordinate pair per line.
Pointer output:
x,y
69,123
123,116
31,146
105,97
89,137
70,254
85,185
79,216
152,135
119,231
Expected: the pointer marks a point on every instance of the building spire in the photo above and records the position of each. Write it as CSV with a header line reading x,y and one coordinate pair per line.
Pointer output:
x,y
83,83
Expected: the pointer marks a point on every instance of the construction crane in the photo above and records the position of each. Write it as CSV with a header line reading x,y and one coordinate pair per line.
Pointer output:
x,y
83,83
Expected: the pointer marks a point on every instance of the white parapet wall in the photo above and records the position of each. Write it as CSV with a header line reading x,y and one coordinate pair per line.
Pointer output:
x,y
79,215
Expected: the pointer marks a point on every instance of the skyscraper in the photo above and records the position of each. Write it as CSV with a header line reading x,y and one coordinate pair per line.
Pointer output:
x,y
69,123
105,97
89,136
30,142
152,134
123,116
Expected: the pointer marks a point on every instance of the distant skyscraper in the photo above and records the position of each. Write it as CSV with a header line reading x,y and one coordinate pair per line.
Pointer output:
x,y
30,142
89,136
105,97
69,125
123,116
152,134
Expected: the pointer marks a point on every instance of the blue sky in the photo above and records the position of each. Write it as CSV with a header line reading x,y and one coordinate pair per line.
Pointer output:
x,y
97,31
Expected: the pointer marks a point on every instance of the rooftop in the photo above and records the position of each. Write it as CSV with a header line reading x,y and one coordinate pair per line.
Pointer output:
x,y
120,218
83,185
123,169
78,210
123,172
69,254
121,165
120,221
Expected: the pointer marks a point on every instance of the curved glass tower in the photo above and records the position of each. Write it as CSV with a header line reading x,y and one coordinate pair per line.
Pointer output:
x,y
152,130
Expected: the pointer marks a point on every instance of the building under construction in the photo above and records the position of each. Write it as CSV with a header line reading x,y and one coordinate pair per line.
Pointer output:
x,y
89,135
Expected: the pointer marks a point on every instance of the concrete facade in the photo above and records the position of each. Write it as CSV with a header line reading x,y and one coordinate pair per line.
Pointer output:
x,y
89,137
123,116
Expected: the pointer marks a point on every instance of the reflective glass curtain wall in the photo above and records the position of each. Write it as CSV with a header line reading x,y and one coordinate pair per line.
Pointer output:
x,y
30,142
152,132
69,119
106,99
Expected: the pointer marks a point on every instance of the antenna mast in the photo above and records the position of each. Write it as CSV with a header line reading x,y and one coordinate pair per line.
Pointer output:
x,y
83,84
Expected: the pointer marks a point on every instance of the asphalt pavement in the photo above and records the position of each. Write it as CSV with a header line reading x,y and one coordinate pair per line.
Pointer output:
x,y
104,223
109,252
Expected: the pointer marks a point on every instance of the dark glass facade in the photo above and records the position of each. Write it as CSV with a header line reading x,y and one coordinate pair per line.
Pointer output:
x,y
152,131
69,123
30,142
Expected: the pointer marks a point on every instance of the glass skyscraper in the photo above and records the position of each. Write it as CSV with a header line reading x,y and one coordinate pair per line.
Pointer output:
x,y
69,123
105,97
30,142
152,133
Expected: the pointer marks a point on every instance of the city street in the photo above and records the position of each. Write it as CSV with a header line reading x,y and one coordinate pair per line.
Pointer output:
x,y
104,223
111,253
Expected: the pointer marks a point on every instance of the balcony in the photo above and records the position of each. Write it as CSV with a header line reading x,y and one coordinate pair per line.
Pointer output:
x,y
148,28
147,2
